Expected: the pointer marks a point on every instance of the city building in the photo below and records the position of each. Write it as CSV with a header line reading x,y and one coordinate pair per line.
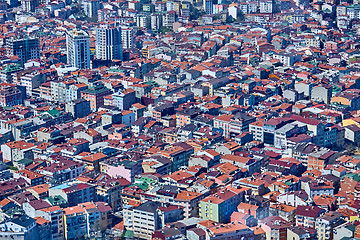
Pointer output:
x,y
75,222
78,49
127,37
27,48
22,227
55,216
74,192
78,108
208,6
275,227
108,43
91,8
29,5
95,94
219,206
144,219
10,96
125,99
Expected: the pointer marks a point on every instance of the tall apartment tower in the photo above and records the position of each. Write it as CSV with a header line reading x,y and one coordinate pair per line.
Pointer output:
x,y
91,8
78,49
29,5
25,48
108,43
127,37
208,6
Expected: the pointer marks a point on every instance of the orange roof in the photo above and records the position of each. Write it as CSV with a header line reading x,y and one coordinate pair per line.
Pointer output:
x,y
246,207
88,205
223,178
41,221
29,174
226,168
257,123
212,152
254,182
94,157
138,106
227,228
258,230
225,117
92,132
207,223
40,188
119,226
73,210
283,207
126,112
51,209
134,203
235,158
324,200
4,202
179,175
219,196
19,145
187,195
171,150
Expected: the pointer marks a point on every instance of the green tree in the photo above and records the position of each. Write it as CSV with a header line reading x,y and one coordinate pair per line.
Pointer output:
x,y
240,18
195,13
164,30
12,168
229,19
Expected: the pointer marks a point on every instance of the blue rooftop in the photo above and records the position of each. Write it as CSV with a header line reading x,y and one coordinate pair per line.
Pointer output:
x,y
61,186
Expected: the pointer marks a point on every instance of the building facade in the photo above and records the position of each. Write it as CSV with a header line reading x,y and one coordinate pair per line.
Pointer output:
x,y
78,49
127,37
25,48
108,43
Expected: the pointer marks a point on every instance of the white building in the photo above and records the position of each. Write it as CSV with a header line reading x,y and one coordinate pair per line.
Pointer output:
x,y
91,8
296,198
156,21
208,6
256,128
22,227
266,6
108,43
143,21
288,59
32,81
169,18
127,37
78,49
234,11
142,220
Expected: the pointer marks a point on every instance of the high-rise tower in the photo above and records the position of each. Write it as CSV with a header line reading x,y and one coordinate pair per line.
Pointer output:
x,y
108,43
78,49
